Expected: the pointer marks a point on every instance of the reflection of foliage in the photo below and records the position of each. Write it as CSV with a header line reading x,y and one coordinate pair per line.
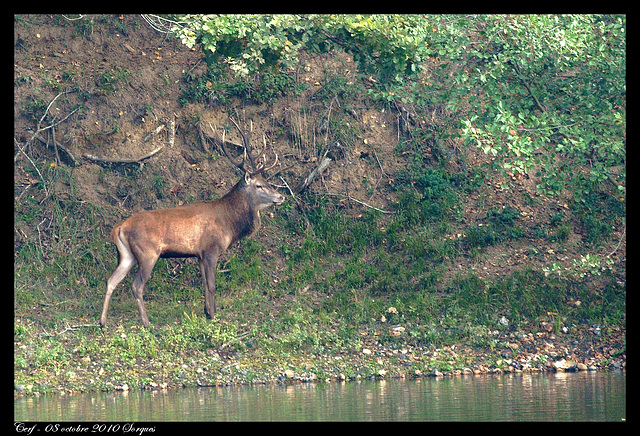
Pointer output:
x,y
542,94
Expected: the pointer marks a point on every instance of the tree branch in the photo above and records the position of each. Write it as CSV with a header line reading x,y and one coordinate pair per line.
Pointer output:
x,y
118,160
359,202
526,85
318,170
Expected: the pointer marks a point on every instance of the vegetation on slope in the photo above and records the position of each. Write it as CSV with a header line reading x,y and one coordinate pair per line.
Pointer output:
x,y
414,253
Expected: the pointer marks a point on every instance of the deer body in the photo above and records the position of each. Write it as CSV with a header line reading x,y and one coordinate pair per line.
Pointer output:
x,y
202,229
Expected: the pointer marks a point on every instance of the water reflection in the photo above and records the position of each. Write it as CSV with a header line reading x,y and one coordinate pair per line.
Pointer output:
x,y
528,397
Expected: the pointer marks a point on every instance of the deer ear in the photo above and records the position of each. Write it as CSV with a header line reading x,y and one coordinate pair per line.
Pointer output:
x,y
247,178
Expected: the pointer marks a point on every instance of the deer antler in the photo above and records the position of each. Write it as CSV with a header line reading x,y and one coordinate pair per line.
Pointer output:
x,y
261,167
257,168
275,162
222,141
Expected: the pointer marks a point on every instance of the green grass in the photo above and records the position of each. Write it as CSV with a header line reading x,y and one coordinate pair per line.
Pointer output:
x,y
217,85
111,80
355,267
597,214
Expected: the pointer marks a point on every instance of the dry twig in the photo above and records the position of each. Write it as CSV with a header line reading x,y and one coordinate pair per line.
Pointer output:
x,y
44,184
348,197
119,160
153,133
172,131
37,135
324,163
619,242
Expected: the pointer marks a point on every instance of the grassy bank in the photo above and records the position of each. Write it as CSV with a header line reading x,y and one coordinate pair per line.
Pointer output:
x,y
356,296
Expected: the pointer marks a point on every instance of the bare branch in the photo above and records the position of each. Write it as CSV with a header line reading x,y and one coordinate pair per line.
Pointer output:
x,y
118,160
526,85
153,133
318,170
73,19
172,131
359,202
290,191
160,24
71,160
38,129
619,242
46,192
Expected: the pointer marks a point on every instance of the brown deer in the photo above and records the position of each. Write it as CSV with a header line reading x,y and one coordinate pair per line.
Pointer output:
x,y
202,229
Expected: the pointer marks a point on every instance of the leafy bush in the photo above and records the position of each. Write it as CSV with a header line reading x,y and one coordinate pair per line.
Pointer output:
x,y
541,94
215,85
549,94
385,45
433,198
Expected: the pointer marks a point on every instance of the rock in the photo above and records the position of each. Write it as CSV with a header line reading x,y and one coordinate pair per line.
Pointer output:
x,y
565,365
381,372
582,367
123,387
546,326
289,373
560,364
396,331
366,351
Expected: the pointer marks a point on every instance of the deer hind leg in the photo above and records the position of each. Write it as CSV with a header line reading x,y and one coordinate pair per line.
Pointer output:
x,y
124,266
144,272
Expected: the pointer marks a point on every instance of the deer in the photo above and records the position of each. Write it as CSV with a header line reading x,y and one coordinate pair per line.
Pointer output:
x,y
203,229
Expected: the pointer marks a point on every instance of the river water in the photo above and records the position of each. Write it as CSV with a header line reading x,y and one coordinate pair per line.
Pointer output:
x,y
583,396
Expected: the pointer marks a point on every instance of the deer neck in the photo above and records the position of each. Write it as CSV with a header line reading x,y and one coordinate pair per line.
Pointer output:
x,y
244,217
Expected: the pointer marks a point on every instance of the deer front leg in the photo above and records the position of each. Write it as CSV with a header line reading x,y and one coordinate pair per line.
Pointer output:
x,y
208,263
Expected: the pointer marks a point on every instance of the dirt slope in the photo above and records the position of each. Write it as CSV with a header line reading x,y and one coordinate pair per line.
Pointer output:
x,y
124,79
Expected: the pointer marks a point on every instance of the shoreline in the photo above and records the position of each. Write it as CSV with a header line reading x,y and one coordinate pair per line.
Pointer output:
x,y
86,371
